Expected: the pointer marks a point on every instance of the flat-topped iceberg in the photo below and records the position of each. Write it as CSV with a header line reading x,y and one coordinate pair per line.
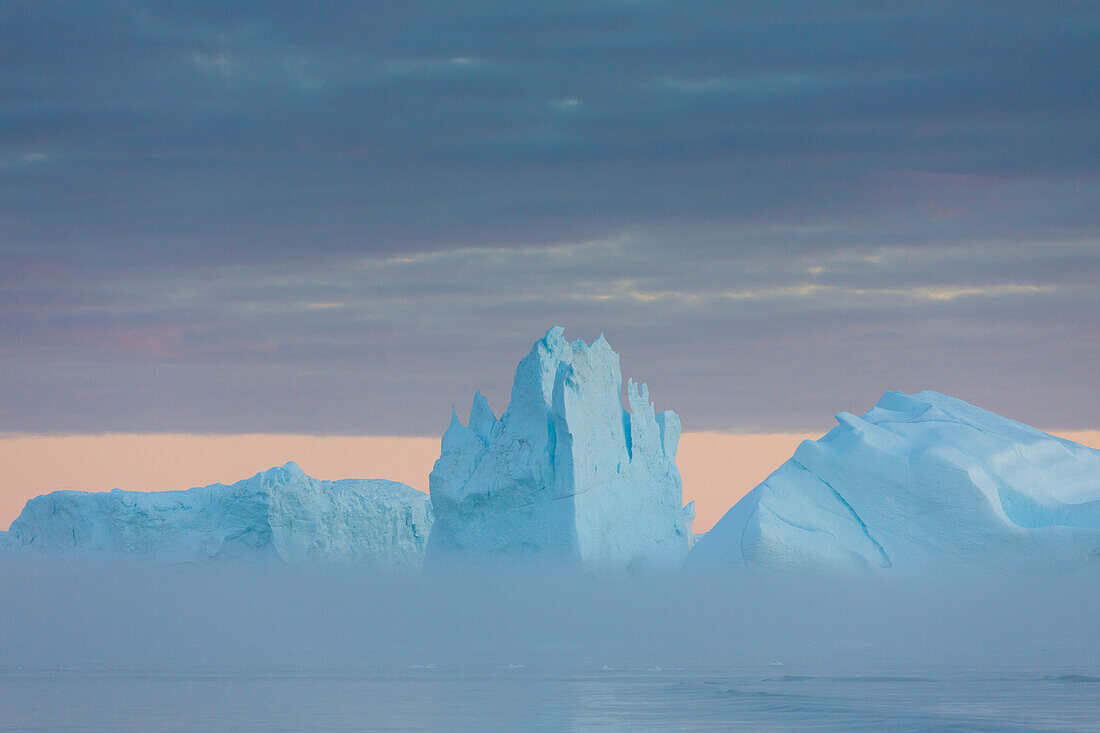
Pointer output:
x,y
920,481
280,514
566,474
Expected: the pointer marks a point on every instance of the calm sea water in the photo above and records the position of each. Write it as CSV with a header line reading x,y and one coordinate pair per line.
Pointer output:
x,y
513,697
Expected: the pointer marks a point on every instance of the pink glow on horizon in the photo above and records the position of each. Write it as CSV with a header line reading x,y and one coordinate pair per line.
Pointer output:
x,y
717,468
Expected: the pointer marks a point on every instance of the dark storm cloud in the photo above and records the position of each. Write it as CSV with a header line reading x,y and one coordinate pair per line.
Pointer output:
x,y
345,217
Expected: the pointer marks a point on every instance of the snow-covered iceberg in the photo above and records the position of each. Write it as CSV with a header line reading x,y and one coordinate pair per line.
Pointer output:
x,y
920,481
280,514
566,474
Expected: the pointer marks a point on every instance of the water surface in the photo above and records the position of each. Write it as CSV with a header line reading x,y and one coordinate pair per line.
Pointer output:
x,y
516,697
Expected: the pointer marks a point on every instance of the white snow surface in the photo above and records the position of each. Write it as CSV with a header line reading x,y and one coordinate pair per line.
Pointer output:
x,y
919,481
280,514
566,474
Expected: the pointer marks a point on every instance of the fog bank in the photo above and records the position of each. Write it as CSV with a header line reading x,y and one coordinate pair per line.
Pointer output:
x,y
257,618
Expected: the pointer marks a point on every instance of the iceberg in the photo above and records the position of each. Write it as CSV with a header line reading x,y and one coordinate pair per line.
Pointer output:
x,y
566,474
920,481
280,514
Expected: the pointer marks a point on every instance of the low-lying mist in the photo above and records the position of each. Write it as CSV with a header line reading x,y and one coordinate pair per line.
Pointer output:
x,y
258,618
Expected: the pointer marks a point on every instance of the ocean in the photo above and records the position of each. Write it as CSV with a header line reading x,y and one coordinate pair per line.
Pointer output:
x,y
512,696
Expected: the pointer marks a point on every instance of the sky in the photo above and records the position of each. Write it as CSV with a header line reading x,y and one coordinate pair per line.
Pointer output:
x,y
344,218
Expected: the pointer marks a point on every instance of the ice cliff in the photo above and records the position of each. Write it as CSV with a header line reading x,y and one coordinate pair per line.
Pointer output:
x,y
280,514
566,474
919,481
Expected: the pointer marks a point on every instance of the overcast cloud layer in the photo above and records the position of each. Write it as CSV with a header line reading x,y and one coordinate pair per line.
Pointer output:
x,y
345,218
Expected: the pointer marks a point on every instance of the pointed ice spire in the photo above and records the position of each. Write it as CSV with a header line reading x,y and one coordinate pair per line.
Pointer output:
x,y
457,434
482,420
669,424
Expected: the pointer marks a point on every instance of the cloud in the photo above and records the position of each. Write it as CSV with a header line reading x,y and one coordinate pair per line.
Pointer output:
x,y
344,219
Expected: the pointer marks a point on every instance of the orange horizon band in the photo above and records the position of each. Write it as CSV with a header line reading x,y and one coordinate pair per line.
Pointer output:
x,y
717,468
